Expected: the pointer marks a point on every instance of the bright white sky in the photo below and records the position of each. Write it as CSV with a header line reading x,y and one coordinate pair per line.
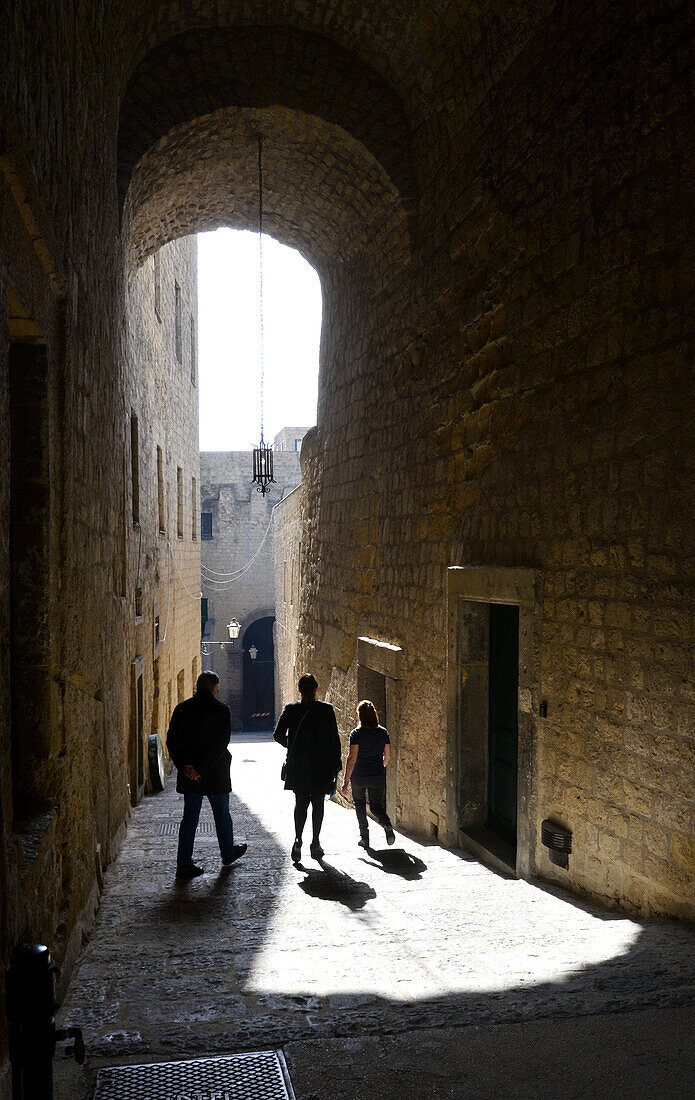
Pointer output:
x,y
228,339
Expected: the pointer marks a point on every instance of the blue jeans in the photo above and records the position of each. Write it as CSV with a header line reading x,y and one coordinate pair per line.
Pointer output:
x,y
189,823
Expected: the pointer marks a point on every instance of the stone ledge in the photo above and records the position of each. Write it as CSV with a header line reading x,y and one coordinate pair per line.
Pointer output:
x,y
493,584
382,657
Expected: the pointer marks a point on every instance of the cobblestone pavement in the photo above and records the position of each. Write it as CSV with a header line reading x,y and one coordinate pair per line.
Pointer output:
x,y
404,939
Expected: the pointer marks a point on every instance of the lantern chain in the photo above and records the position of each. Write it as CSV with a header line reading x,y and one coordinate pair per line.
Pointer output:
x,y
261,333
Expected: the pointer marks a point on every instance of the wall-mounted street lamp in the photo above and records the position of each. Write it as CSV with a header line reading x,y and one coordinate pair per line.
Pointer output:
x,y
253,652
233,629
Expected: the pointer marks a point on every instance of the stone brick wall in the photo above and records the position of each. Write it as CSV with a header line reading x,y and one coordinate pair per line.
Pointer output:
x,y
237,562
163,394
531,411
287,532
64,797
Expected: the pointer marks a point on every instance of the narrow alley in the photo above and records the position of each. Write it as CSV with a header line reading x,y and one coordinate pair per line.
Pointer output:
x,y
374,972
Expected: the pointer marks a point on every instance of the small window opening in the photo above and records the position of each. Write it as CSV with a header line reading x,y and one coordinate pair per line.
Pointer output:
x,y
157,287
177,321
179,502
194,510
194,352
135,467
206,525
160,490
180,686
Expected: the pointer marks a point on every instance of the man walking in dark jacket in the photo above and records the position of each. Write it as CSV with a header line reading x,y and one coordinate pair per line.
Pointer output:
x,y
197,741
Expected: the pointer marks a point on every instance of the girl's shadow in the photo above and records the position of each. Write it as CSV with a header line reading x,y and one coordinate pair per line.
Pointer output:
x,y
396,861
330,884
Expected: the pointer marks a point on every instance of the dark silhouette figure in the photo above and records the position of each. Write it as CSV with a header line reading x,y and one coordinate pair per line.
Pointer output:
x,y
368,758
309,732
197,740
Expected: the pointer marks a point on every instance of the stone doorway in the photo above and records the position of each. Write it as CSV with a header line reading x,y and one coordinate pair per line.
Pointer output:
x,y
258,699
492,672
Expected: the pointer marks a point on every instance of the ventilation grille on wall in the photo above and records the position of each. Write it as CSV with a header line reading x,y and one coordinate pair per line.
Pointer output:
x,y
558,841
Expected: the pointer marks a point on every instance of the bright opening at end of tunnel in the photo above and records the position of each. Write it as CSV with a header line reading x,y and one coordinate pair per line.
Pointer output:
x,y
228,296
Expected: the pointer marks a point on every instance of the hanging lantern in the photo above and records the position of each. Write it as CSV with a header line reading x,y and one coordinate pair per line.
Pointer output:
x,y
263,453
263,465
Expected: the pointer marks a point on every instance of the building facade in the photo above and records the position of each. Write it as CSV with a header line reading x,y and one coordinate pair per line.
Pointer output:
x,y
237,581
164,540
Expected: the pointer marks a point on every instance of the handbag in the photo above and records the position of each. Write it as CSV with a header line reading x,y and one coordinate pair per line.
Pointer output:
x,y
283,769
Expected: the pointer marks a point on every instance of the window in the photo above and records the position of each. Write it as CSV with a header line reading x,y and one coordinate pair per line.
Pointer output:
x,y
194,518
177,321
157,287
180,686
206,525
194,353
135,467
297,444
203,613
160,490
179,502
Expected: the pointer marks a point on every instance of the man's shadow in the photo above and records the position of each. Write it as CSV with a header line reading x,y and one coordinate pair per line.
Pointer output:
x,y
331,884
396,861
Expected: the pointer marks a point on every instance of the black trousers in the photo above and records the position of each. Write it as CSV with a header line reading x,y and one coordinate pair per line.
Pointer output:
x,y
375,790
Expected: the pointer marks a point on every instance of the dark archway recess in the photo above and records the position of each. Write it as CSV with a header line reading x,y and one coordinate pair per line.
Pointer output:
x,y
203,71
258,704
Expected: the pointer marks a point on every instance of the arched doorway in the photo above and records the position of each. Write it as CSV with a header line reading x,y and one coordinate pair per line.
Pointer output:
x,y
258,700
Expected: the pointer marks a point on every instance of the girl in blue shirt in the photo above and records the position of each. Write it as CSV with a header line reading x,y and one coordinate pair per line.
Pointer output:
x,y
365,770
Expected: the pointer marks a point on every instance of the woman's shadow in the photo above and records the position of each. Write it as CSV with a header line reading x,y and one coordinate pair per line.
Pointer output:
x,y
396,861
331,884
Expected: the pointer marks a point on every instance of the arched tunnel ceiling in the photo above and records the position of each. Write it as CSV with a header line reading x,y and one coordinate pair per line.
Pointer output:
x,y
203,71
323,191
387,34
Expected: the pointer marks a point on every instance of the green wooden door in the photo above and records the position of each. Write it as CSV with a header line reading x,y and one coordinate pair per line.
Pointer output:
x,y
503,718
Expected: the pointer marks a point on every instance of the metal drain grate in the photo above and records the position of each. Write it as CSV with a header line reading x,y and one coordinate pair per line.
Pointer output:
x,y
171,828
259,1076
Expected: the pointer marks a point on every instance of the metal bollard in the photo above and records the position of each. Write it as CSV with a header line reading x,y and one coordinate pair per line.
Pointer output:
x,y
31,1003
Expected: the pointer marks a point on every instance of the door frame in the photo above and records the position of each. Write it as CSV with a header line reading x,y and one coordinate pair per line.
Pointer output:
x,y
470,591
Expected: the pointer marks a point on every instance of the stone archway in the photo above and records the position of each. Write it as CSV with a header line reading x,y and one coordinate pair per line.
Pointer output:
x,y
258,673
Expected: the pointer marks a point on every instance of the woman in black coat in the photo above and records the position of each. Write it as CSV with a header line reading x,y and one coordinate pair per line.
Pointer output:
x,y
309,732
